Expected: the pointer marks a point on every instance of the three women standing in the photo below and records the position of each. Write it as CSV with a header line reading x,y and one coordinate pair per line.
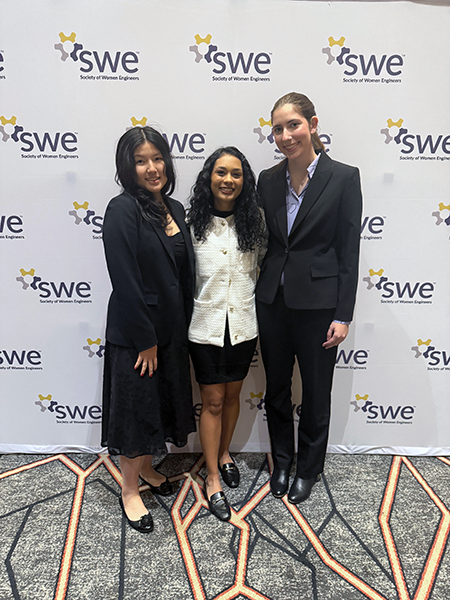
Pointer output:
x,y
307,287
147,399
228,235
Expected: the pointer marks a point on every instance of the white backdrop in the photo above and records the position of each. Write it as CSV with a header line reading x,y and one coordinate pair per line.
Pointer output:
x,y
74,76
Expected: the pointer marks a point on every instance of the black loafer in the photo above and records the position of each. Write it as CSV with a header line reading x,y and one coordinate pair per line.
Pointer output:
x,y
165,489
230,474
143,525
218,505
301,489
279,482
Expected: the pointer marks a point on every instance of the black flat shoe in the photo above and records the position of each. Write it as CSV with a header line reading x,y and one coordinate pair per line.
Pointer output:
x,y
230,474
218,505
143,525
301,489
279,482
165,489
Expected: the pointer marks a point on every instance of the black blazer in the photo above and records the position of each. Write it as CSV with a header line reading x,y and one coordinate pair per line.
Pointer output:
x,y
320,256
144,278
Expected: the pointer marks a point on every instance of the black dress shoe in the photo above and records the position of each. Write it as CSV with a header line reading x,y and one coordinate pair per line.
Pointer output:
x,y
230,474
165,489
301,489
143,525
279,482
218,505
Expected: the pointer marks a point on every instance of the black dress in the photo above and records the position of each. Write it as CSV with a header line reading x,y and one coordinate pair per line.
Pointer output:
x,y
141,414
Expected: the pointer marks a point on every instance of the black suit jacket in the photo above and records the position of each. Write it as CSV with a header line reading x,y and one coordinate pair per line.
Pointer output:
x,y
144,277
320,256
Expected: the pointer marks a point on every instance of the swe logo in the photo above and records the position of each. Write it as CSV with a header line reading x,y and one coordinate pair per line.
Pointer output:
x,y
365,65
55,292
416,146
381,413
105,64
49,144
82,214
23,360
11,227
437,360
352,359
442,215
73,414
399,292
234,66
94,348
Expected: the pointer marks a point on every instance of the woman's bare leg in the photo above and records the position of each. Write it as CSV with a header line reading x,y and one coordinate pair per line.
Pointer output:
x,y
210,430
149,474
132,501
230,414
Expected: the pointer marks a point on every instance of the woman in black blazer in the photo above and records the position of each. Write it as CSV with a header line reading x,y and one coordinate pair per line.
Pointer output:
x,y
147,397
307,287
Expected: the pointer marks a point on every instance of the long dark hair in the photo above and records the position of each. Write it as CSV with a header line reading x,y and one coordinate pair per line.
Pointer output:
x,y
305,108
248,218
126,176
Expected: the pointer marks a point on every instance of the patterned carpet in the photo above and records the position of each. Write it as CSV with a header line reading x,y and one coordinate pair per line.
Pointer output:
x,y
374,527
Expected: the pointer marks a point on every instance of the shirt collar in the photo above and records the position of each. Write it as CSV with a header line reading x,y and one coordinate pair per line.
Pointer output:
x,y
311,169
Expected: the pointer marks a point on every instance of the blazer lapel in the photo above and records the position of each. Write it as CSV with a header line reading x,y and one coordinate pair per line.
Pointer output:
x,y
318,182
279,200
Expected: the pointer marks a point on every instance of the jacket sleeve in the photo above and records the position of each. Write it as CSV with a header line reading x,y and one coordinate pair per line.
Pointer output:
x,y
121,228
348,241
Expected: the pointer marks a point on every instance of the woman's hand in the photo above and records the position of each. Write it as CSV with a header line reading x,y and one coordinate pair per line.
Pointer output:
x,y
337,332
148,360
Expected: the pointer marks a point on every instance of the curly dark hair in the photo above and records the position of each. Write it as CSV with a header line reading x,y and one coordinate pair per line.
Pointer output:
x,y
126,176
248,218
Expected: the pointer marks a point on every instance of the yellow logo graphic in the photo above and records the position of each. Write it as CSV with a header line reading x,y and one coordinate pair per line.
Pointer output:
x,y
391,123
422,343
206,40
97,341
11,121
142,122
339,42
78,206
30,272
442,206
358,397
379,273
68,38
42,398
262,122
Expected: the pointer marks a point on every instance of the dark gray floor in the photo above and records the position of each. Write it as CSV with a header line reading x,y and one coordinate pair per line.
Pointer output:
x,y
375,527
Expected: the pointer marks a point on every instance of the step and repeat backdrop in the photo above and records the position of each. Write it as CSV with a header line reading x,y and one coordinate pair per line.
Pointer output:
x,y
75,76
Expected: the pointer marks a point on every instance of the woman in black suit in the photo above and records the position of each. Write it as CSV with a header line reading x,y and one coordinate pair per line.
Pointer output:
x,y
307,287
147,398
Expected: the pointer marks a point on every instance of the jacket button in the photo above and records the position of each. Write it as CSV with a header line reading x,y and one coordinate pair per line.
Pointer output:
x,y
236,337
224,251
231,309
286,250
224,223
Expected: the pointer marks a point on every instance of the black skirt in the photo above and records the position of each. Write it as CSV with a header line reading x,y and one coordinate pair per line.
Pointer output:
x,y
215,364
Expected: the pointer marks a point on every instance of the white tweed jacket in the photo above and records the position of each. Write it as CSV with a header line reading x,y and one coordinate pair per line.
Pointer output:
x,y
225,287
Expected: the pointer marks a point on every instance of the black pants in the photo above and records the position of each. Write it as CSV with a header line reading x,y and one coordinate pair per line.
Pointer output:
x,y
284,334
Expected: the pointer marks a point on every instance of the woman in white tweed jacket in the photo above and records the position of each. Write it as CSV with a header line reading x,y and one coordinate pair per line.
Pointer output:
x,y
228,236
